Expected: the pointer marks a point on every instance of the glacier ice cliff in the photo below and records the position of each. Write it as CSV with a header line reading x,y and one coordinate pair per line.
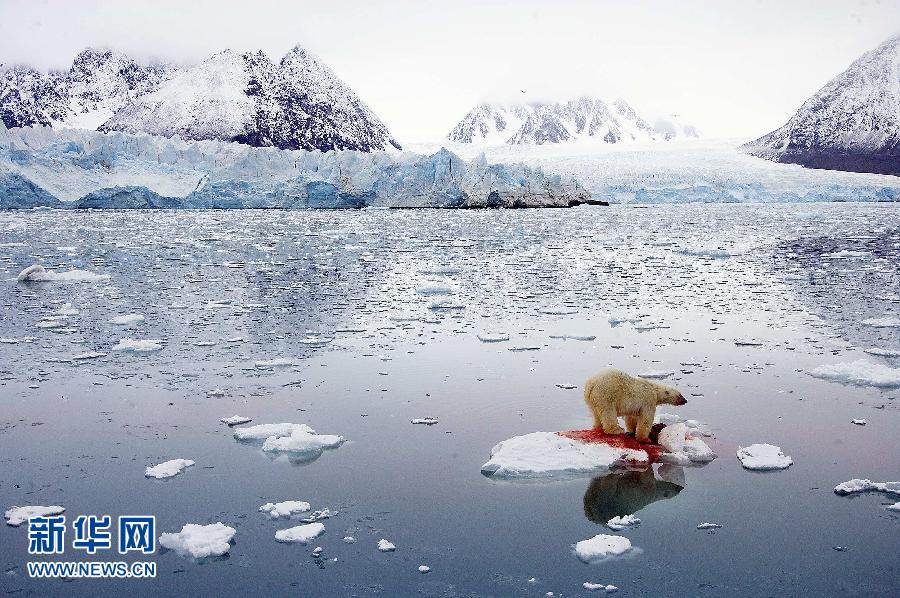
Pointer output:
x,y
44,167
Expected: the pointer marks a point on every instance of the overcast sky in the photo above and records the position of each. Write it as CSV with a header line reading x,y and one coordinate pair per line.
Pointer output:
x,y
735,69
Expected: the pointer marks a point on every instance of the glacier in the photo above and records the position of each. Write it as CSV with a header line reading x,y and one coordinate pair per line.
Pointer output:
x,y
70,168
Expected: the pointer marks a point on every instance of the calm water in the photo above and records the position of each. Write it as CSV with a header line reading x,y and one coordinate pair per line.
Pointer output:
x,y
344,297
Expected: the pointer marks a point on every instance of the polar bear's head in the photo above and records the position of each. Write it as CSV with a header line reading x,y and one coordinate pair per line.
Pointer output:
x,y
666,395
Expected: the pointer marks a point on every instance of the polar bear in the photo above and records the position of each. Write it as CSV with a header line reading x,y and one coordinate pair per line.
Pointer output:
x,y
612,393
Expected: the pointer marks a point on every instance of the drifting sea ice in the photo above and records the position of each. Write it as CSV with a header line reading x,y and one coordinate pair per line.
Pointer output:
x,y
138,346
38,273
302,441
126,319
16,516
385,546
682,447
763,457
301,534
235,420
883,352
493,337
859,373
594,587
859,485
168,469
199,541
263,431
285,508
619,523
885,322
600,547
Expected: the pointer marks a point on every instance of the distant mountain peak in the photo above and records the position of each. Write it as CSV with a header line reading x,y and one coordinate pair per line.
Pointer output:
x,y
852,123
546,122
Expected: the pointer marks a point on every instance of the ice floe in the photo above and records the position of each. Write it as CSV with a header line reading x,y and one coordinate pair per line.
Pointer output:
x,y
601,547
682,446
385,546
621,522
280,362
38,273
427,421
88,355
285,508
67,309
199,541
289,438
263,431
858,422
763,457
16,516
301,534
859,373
864,485
708,525
138,346
168,469
424,569
493,337
235,420
885,322
883,352
599,587
126,319
657,374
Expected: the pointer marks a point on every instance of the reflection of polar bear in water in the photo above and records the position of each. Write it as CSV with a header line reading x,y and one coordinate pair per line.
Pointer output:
x,y
626,493
612,393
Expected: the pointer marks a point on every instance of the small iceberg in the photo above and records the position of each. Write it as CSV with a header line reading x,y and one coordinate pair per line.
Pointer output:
x,y
289,438
763,457
126,319
16,516
235,420
199,541
138,346
168,469
301,534
621,522
859,373
601,546
859,485
285,508
493,337
885,322
38,273
385,546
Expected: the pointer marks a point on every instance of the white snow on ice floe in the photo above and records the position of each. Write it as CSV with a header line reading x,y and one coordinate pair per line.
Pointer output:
x,y
883,352
38,273
385,546
126,319
285,508
287,437
424,569
493,337
619,523
657,374
263,431
763,457
301,533
235,420
67,309
280,362
860,373
857,485
138,346
427,421
168,469
199,541
597,587
548,454
683,446
858,422
16,516
601,546
708,525
885,322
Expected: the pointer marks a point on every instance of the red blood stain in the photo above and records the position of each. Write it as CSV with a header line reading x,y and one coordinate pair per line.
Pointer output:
x,y
622,441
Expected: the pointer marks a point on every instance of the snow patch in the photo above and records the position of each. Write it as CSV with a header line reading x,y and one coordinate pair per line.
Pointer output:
x,y
168,469
601,547
285,508
199,541
301,534
763,457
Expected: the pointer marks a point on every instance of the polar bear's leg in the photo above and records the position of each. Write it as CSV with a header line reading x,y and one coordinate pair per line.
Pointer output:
x,y
630,423
644,423
610,420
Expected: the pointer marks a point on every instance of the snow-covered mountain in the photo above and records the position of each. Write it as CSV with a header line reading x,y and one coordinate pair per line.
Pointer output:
x,y
298,103
853,123
98,83
586,118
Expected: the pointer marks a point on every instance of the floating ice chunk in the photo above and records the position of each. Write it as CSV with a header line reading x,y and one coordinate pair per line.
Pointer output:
x,y
524,348
199,541
682,446
744,342
216,392
763,457
279,362
601,546
235,420
860,373
38,273
574,337
138,346
619,523
301,534
858,422
302,441
885,322
708,525
126,319
427,421
168,469
617,320
66,309
708,252
16,516
424,568
493,337
349,540
858,485
264,431
894,507
285,508
595,587
434,289
88,355
445,304
542,454
883,352
318,515
385,546
657,374
696,428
